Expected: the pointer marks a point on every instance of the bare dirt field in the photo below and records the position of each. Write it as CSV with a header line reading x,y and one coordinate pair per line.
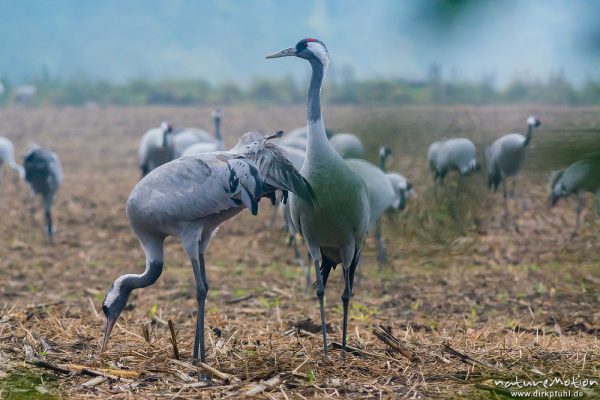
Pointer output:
x,y
465,300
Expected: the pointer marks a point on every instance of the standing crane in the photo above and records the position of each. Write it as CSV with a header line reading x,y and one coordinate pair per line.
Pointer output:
x,y
402,187
297,138
44,174
7,156
336,226
347,145
161,145
402,191
208,146
580,177
456,154
505,158
189,198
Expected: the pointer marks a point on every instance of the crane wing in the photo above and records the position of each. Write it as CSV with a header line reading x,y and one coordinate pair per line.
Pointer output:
x,y
279,172
194,187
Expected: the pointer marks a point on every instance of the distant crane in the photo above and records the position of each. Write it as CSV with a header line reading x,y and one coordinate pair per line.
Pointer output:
x,y
402,188
189,198
382,197
163,144
296,138
154,148
44,174
25,94
336,226
580,177
505,158
347,145
456,154
209,146
7,156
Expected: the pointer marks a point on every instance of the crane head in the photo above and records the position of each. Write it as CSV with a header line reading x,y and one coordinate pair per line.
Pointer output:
x,y
533,121
309,49
113,304
217,114
166,127
385,152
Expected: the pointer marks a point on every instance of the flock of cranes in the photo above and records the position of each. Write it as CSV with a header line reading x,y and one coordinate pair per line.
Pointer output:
x,y
330,195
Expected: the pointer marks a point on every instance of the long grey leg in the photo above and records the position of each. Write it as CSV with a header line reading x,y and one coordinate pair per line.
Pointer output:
x,y
48,216
201,292
381,251
459,186
513,190
346,295
580,204
320,296
505,200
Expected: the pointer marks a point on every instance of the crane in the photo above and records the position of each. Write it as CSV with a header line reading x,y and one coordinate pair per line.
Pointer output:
x,y
211,145
189,198
402,188
455,154
347,145
163,144
44,174
336,226
505,158
580,177
7,156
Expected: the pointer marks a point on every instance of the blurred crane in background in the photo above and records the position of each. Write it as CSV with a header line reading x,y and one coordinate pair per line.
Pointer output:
x,y
402,189
7,156
456,154
347,145
206,146
505,158
580,177
44,174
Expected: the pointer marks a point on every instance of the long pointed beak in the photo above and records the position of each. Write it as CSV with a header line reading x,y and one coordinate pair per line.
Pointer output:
x,y
283,53
107,330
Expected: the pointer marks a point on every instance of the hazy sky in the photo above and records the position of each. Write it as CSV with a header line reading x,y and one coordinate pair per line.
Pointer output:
x,y
227,40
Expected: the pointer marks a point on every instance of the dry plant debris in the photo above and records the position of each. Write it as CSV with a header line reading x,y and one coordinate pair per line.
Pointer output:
x,y
463,301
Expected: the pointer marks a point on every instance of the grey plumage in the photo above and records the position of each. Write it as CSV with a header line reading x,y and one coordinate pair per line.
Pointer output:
x,y
44,174
161,145
401,188
580,177
456,154
7,156
189,198
335,228
207,146
347,145
505,158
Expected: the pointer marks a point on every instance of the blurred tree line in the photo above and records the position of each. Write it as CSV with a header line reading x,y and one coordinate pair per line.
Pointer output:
x,y
342,88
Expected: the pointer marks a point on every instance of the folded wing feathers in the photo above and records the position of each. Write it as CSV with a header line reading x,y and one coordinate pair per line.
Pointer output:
x,y
279,172
274,167
245,180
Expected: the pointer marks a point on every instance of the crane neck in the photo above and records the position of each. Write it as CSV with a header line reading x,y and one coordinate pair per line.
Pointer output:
x,y
147,278
314,90
318,149
218,134
382,159
529,135
165,138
